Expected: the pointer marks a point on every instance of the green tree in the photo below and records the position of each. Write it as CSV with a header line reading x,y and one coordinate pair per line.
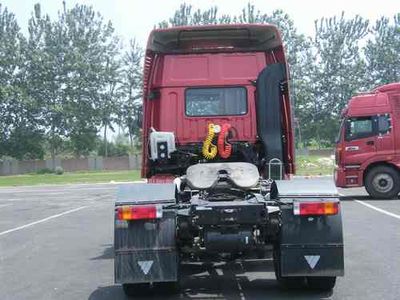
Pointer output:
x,y
130,112
110,99
185,15
91,74
120,146
336,74
382,52
72,72
45,74
20,134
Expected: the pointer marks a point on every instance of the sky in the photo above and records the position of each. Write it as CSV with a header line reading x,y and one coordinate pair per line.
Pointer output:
x,y
136,18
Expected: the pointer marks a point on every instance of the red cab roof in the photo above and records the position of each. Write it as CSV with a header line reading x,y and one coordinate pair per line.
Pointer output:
x,y
388,87
218,38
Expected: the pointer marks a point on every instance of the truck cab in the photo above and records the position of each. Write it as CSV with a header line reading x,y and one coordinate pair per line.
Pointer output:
x,y
232,75
367,149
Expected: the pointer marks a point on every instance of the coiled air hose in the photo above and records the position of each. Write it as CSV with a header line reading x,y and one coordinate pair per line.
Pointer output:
x,y
209,150
224,148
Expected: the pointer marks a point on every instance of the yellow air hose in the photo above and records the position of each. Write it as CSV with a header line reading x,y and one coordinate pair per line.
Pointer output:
x,y
209,150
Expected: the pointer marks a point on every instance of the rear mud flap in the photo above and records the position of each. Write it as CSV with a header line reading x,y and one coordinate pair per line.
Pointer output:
x,y
312,261
311,245
146,266
145,249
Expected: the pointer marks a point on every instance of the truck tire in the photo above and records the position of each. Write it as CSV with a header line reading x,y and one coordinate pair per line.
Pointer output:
x,y
321,283
136,289
285,282
167,288
145,289
382,182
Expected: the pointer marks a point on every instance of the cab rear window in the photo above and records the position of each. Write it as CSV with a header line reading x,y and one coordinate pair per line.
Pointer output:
x,y
224,101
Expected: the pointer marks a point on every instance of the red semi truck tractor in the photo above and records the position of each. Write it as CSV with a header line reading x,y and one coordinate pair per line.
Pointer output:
x,y
217,155
368,146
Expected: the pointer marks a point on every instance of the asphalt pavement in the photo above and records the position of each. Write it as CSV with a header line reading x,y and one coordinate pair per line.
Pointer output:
x,y
56,243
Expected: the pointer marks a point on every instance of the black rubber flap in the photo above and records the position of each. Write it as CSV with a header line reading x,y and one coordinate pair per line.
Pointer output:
x,y
311,245
268,104
146,266
318,261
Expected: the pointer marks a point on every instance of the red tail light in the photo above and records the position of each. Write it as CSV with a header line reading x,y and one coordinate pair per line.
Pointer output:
x,y
139,212
315,208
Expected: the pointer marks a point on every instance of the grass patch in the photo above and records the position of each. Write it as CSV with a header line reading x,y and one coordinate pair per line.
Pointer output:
x,y
314,165
75,177
306,166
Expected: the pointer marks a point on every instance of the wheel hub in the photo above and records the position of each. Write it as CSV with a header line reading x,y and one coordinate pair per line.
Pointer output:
x,y
383,182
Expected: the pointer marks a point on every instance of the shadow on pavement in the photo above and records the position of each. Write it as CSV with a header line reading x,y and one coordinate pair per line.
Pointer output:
x,y
113,292
108,252
355,197
227,281
364,198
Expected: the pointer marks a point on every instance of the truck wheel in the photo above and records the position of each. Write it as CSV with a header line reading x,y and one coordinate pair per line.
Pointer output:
x,y
383,182
321,283
170,287
136,289
167,287
285,282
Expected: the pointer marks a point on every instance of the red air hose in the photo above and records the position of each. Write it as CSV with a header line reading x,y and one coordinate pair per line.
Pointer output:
x,y
224,148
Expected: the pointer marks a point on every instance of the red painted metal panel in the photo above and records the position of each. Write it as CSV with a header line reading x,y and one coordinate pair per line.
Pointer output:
x,y
170,116
370,104
181,71
391,87
212,69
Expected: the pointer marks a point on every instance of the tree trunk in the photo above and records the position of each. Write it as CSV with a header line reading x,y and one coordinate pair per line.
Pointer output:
x,y
105,141
300,142
53,150
131,140
318,140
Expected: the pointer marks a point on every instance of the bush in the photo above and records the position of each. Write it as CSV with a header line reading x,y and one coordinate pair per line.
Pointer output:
x,y
59,170
44,171
114,149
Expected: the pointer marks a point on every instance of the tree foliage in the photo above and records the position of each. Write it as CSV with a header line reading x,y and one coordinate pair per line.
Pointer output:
x,y
64,82
73,72
335,73
382,52
130,113
19,113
